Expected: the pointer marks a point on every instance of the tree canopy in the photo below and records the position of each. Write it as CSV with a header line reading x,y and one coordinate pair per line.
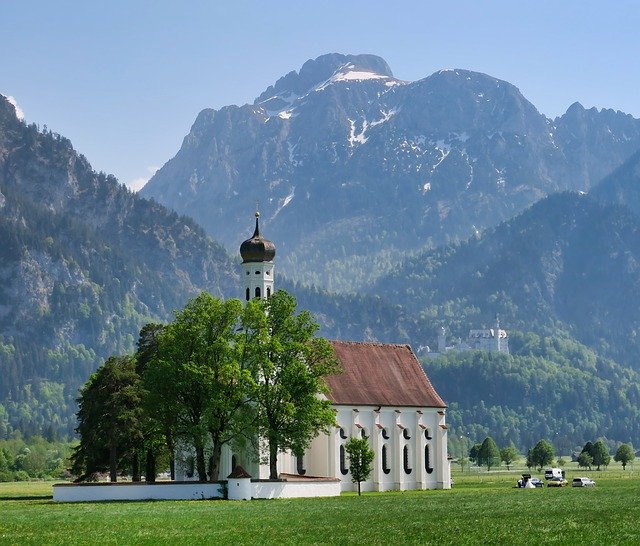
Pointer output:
x,y
109,418
542,454
624,455
489,454
290,364
218,374
360,459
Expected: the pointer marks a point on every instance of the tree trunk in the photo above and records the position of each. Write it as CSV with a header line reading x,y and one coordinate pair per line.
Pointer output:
x,y
200,464
150,467
273,460
359,493
113,463
215,460
135,467
172,454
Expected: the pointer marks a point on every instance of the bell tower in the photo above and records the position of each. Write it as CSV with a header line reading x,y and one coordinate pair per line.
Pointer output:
x,y
257,265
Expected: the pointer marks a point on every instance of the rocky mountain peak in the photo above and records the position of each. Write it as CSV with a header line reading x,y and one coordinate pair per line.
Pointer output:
x,y
316,71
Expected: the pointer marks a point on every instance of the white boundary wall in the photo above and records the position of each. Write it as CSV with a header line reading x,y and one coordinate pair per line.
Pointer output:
x,y
294,489
190,491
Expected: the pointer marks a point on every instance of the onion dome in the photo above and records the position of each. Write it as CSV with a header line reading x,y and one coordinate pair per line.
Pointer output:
x,y
257,249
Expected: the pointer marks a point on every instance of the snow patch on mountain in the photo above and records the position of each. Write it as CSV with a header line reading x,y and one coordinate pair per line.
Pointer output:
x,y
349,73
358,138
292,154
283,202
386,116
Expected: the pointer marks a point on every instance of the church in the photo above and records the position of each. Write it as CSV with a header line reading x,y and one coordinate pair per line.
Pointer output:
x,y
383,395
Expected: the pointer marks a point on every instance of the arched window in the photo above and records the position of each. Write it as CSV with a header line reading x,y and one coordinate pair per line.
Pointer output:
x,y
257,291
427,434
385,460
343,464
268,291
427,460
406,434
234,462
343,435
363,433
385,434
248,294
405,457
300,469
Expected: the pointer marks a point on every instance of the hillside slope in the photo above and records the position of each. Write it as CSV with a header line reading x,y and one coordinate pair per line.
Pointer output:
x,y
84,264
568,263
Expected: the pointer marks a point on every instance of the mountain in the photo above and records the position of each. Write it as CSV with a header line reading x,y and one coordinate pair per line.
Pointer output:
x,y
569,264
622,186
354,168
84,264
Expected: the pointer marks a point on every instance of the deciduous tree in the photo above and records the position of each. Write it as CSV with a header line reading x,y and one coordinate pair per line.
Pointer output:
x,y
360,459
542,454
200,377
601,455
489,454
585,460
624,455
290,364
509,454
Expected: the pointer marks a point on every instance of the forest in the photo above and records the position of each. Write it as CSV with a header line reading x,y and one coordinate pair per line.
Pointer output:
x,y
548,387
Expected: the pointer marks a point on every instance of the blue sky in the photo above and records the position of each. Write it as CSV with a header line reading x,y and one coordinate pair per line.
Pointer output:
x,y
124,80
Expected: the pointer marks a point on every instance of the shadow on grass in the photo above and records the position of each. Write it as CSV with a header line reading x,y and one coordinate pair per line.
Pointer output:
x,y
25,497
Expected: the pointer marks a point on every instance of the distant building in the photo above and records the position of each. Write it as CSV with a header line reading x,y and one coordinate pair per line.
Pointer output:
x,y
494,340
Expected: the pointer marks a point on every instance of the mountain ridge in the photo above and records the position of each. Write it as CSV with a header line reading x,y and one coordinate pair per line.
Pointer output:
x,y
383,166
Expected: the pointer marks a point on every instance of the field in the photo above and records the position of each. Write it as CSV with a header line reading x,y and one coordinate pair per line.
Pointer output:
x,y
482,508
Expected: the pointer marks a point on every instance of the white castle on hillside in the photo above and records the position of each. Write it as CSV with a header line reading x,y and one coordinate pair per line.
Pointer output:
x,y
495,340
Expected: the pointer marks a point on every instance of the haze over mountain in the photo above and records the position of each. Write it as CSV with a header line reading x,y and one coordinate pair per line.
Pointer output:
x,y
85,263
353,167
567,265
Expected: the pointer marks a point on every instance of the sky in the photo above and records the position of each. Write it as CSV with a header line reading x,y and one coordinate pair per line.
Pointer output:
x,y
124,80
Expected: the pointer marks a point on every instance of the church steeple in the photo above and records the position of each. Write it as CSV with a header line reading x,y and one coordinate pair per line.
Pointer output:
x,y
257,264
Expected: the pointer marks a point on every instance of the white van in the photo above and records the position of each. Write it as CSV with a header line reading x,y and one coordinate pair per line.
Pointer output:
x,y
553,473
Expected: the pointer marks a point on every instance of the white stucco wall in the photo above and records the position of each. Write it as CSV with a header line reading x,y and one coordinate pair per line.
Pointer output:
x,y
405,427
135,491
290,490
239,489
243,489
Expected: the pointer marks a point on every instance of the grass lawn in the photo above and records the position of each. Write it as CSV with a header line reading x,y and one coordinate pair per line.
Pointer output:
x,y
481,509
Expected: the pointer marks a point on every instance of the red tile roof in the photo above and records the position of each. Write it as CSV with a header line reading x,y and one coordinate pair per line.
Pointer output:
x,y
238,472
380,374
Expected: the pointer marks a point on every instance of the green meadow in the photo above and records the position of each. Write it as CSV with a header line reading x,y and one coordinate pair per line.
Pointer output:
x,y
482,508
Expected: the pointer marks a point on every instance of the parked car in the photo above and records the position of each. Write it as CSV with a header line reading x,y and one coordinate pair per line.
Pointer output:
x,y
557,482
583,482
537,482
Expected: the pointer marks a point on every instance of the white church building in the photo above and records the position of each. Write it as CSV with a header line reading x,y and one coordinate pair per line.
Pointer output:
x,y
383,394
